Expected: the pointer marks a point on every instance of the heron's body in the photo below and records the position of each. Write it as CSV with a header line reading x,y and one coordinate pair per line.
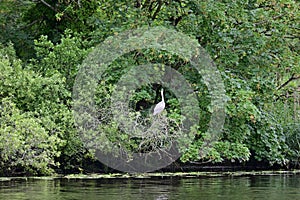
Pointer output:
x,y
161,105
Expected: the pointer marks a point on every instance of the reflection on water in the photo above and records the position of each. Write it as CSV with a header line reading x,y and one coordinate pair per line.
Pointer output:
x,y
250,187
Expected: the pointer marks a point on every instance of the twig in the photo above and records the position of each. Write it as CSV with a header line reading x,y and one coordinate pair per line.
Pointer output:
x,y
48,5
293,77
30,24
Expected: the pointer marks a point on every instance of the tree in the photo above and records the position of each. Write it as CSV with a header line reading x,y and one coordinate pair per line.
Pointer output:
x,y
254,44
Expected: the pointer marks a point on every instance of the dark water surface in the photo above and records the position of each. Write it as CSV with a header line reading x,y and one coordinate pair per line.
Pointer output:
x,y
241,188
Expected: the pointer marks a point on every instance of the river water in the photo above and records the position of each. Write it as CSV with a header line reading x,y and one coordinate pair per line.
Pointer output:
x,y
227,187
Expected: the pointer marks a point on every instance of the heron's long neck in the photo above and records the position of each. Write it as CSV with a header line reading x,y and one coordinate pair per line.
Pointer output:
x,y
162,96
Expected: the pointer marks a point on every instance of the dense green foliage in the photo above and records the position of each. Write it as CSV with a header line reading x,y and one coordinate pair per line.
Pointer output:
x,y
254,44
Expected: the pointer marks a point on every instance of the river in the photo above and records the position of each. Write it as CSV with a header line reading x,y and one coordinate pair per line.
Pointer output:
x,y
285,186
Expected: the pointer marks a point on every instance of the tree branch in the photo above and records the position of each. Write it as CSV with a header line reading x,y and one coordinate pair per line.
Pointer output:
x,y
293,77
30,24
56,10
48,5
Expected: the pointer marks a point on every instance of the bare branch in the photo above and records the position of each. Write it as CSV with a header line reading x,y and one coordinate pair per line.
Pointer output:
x,y
30,24
48,5
293,77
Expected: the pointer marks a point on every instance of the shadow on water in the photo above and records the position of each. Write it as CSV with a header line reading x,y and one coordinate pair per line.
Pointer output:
x,y
229,187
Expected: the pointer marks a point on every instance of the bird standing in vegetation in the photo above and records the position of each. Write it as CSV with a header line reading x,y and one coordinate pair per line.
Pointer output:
x,y
161,105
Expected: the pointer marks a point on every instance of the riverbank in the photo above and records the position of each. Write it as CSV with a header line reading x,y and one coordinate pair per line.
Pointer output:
x,y
155,175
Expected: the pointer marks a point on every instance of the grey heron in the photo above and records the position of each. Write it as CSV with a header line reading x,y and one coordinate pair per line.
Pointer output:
x,y
161,105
